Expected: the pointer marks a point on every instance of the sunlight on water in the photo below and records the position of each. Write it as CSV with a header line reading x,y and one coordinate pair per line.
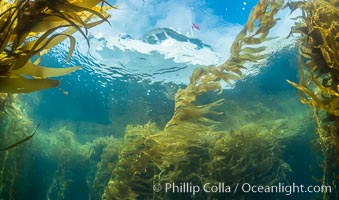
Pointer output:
x,y
174,100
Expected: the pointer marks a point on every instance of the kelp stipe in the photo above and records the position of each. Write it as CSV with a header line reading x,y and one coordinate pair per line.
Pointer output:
x,y
319,78
30,28
21,141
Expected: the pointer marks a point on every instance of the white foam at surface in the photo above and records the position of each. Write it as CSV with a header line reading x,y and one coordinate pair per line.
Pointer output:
x,y
181,52
110,50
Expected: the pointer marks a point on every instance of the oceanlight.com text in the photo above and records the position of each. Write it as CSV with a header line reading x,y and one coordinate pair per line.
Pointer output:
x,y
286,189
282,188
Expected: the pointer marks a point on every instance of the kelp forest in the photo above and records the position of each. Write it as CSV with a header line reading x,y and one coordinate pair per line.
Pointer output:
x,y
210,136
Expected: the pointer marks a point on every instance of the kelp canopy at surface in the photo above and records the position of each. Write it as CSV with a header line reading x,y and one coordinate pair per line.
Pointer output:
x,y
28,29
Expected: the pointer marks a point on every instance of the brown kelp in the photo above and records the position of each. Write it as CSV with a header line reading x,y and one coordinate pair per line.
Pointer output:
x,y
319,76
62,166
63,155
195,154
104,153
21,141
14,126
190,149
30,28
244,50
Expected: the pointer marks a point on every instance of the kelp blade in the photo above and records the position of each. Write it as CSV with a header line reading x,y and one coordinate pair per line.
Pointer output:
x,y
43,72
22,85
31,28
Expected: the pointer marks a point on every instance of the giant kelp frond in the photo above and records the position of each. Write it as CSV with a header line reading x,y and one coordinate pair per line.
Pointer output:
x,y
262,157
319,76
31,28
244,49
196,154
319,55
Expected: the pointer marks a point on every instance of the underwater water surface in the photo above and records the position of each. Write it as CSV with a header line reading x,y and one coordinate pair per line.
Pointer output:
x,y
111,130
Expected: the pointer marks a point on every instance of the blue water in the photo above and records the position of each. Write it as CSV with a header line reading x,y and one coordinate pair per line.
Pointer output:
x,y
130,100
94,99
85,120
